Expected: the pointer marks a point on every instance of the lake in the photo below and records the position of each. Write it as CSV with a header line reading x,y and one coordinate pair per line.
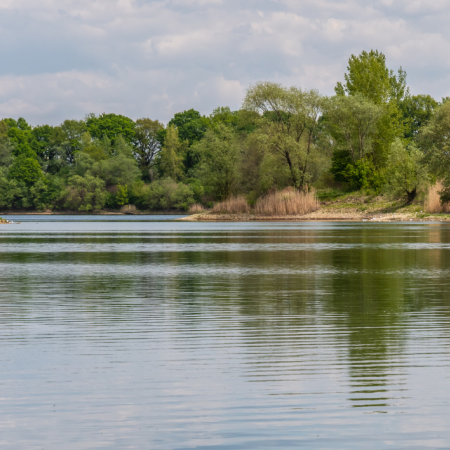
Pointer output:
x,y
138,332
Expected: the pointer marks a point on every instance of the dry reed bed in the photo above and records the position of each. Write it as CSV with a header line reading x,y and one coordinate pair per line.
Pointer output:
x,y
433,202
233,205
287,203
128,209
196,208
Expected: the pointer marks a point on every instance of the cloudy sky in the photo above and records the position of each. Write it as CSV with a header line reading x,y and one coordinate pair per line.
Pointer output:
x,y
66,58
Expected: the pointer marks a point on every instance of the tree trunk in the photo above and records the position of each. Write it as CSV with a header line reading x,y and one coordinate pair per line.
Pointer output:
x,y
411,196
291,167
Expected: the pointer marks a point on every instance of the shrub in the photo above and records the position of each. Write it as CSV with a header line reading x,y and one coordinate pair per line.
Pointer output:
x,y
287,202
116,170
85,193
406,176
234,205
167,194
363,175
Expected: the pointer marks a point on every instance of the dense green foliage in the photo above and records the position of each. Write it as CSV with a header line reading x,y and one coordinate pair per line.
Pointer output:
x,y
372,135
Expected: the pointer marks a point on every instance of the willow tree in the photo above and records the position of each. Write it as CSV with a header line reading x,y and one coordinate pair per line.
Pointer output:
x,y
288,120
353,121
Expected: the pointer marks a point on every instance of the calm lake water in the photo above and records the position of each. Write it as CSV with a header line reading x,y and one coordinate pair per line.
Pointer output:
x,y
135,333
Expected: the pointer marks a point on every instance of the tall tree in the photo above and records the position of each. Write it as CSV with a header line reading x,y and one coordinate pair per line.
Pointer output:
x,y
68,135
111,126
352,122
171,157
368,75
147,145
224,116
43,137
191,126
406,175
219,170
417,110
288,120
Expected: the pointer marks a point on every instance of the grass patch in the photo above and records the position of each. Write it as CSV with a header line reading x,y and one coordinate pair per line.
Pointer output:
x,y
326,195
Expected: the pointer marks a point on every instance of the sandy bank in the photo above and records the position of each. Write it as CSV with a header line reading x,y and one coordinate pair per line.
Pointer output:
x,y
320,215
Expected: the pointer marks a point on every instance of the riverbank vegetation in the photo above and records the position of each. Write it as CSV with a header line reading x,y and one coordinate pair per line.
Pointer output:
x,y
285,150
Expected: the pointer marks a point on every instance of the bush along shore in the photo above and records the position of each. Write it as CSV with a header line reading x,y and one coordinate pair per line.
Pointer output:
x,y
371,150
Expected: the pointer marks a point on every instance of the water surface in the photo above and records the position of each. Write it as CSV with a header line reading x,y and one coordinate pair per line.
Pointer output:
x,y
143,333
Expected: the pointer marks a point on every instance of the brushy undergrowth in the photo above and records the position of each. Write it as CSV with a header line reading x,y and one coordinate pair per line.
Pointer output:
x,y
233,205
286,203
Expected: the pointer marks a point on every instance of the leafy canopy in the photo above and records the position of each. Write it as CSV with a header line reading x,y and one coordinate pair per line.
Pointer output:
x,y
111,126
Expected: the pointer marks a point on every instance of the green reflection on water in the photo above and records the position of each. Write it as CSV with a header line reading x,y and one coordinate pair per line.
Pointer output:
x,y
335,314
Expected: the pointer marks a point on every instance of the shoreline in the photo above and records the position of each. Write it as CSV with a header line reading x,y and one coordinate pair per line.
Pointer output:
x,y
322,215
102,213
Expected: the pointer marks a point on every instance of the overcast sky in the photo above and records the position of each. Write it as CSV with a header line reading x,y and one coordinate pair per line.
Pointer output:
x,y
63,59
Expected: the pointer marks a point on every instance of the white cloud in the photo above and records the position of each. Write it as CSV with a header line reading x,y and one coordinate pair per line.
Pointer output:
x,y
66,58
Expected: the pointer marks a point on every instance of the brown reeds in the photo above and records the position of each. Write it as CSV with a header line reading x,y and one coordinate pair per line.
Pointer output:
x,y
128,209
433,202
196,208
288,202
233,205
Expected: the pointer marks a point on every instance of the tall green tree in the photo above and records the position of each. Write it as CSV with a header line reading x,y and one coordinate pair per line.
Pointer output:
x,y
417,110
120,169
191,126
147,145
24,142
97,149
352,122
69,136
288,120
43,137
368,75
26,170
406,175
171,155
224,116
111,126
219,169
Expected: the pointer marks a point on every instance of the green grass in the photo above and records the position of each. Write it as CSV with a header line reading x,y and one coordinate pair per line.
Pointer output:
x,y
326,195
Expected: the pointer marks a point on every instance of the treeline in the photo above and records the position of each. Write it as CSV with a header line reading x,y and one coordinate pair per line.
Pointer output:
x,y
371,135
